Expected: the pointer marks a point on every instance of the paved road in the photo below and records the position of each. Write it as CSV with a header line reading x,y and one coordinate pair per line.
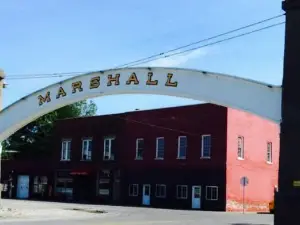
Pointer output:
x,y
139,216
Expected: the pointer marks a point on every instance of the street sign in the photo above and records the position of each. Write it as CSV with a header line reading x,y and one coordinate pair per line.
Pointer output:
x,y
296,183
244,181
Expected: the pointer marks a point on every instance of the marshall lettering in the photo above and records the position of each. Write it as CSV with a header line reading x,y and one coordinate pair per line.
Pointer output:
x,y
111,80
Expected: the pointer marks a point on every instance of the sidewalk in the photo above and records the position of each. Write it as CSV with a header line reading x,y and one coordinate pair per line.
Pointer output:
x,y
26,210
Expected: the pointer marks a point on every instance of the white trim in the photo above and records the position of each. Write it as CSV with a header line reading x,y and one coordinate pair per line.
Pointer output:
x,y
202,137
165,193
228,91
137,192
206,191
69,141
109,146
156,152
88,140
271,153
243,147
144,185
187,191
137,148
199,186
178,147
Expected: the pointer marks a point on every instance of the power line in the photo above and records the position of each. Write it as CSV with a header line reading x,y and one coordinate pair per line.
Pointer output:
x,y
173,130
44,75
160,55
149,60
155,126
209,44
165,56
36,76
203,40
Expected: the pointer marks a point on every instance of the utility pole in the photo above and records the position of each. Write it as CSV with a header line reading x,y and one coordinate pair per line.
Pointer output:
x,y
2,85
1,88
287,199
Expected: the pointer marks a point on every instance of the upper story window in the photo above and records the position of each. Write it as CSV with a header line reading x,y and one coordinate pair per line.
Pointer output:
x,y
182,147
87,149
241,151
139,148
269,152
206,146
160,148
212,193
108,146
66,150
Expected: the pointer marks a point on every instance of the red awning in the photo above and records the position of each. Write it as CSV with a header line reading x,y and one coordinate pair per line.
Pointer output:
x,y
78,173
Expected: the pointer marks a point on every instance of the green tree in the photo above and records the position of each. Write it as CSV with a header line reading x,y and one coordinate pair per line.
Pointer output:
x,y
34,140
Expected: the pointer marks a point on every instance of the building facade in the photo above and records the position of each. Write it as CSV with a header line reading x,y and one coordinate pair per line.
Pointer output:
x,y
190,157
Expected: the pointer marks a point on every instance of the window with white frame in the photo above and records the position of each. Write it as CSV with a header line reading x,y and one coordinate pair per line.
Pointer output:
x,y
206,146
139,148
87,149
107,152
160,191
66,150
133,190
182,191
182,147
160,148
269,152
212,193
241,151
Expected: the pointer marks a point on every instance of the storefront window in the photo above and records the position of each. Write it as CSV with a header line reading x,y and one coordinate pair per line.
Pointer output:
x,y
104,184
64,185
40,184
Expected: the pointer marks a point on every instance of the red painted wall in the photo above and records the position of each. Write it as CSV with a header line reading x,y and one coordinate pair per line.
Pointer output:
x,y
225,125
97,128
191,121
262,176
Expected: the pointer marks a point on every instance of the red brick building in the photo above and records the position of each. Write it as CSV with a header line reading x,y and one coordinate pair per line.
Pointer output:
x,y
181,157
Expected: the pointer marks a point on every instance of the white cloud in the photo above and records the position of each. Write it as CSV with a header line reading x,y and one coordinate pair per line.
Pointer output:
x,y
177,60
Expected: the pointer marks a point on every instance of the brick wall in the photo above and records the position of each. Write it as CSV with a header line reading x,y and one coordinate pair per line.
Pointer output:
x,y
262,176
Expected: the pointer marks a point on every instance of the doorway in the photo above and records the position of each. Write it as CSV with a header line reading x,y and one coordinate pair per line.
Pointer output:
x,y
83,188
146,194
196,197
23,187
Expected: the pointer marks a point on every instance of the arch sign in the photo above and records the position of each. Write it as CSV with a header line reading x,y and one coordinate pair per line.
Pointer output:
x,y
261,99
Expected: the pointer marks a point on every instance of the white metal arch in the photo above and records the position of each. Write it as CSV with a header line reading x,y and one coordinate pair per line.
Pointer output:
x,y
258,98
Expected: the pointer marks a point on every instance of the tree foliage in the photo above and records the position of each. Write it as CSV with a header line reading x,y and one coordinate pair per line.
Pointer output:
x,y
34,140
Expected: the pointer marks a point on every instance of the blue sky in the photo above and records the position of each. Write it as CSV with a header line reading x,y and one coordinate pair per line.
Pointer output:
x,y
73,35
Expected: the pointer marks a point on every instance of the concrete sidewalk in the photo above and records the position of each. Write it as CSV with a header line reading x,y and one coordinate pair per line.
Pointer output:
x,y
13,210
52,213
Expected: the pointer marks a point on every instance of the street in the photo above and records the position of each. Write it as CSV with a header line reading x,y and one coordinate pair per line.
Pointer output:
x,y
64,214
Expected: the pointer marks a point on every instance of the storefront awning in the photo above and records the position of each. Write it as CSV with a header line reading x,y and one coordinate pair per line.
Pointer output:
x,y
78,173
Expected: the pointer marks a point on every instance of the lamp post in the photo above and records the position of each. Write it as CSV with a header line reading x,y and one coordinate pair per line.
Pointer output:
x,y
287,198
